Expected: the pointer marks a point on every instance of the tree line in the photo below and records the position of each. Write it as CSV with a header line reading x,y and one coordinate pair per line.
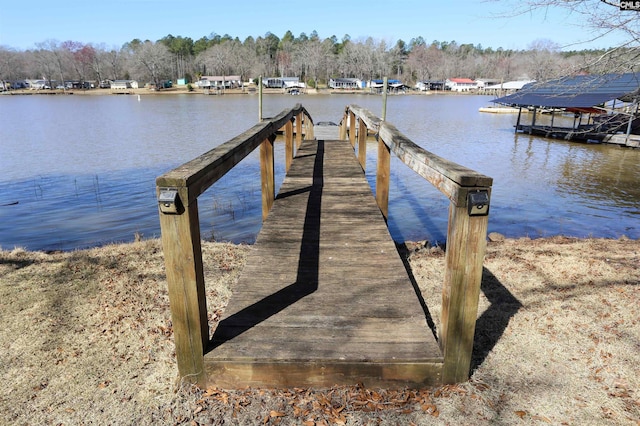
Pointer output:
x,y
312,59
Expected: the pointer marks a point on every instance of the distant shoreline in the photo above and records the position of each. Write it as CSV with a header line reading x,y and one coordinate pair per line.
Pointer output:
x,y
183,90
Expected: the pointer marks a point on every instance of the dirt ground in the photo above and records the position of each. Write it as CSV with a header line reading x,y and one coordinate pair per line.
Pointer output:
x,y
86,338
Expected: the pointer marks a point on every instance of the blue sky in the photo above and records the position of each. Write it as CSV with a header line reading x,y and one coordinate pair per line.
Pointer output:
x,y
115,22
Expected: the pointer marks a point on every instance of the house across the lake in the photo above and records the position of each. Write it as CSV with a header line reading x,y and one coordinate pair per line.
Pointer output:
x,y
219,82
460,84
346,83
506,87
123,84
425,85
283,83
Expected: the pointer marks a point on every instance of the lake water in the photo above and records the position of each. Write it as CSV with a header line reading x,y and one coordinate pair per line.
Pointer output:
x,y
82,169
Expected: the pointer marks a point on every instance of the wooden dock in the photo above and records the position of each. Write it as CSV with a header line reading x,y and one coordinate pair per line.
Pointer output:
x,y
324,298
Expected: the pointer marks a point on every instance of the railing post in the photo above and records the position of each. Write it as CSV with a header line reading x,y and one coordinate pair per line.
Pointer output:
x,y
185,279
352,128
466,245
343,125
382,177
362,143
298,130
288,144
309,128
267,175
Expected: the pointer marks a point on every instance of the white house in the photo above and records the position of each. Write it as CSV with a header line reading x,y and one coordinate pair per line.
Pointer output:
x,y
461,84
509,86
123,84
283,83
346,83
219,81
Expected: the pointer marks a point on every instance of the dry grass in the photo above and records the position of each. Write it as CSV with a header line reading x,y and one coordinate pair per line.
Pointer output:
x,y
86,339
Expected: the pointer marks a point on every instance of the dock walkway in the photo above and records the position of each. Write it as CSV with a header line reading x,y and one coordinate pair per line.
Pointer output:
x,y
324,298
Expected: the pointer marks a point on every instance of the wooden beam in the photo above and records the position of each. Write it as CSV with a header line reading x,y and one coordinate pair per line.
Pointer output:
x,y
352,128
298,130
383,176
309,127
428,165
267,176
288,143
343,125
362,144
466,245
185,279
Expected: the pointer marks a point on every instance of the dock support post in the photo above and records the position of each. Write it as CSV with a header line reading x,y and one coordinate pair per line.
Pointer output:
x,y
352,129
267,176
260,99
298,130
385,88
185,279
362,143
383,177
466,245
308,125
343,126
288,144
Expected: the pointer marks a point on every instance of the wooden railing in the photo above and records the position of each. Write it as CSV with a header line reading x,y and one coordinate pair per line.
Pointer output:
x,y
469,193
178,192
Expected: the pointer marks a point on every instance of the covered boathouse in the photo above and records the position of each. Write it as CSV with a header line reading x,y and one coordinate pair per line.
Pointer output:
x,y
588,108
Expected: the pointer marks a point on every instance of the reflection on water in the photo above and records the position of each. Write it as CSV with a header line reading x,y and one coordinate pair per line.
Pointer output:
x,y
83,169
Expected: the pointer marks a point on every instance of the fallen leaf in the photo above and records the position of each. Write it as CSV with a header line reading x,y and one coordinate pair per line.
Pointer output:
x,y
274,413
521,414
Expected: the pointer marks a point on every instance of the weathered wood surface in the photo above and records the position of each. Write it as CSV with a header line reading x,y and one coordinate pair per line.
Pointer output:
x,y
324,298
196,176
181,231
466,234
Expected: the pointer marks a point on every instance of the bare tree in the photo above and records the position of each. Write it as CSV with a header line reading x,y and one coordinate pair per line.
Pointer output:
x,y
218,58
602,18
11,64
53,60
152,61
544,60
312,58
81,58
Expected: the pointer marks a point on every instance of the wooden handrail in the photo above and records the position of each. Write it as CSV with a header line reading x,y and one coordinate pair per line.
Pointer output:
x,y
202,172
178,192
469,194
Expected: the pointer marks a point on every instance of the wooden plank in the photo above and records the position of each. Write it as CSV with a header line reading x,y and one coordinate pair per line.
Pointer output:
x,y
318,374
324,297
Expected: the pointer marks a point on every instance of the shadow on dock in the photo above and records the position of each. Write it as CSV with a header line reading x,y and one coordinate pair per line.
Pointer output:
x,y
307,279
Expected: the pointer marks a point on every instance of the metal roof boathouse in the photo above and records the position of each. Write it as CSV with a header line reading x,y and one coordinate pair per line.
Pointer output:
x,y
609,102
